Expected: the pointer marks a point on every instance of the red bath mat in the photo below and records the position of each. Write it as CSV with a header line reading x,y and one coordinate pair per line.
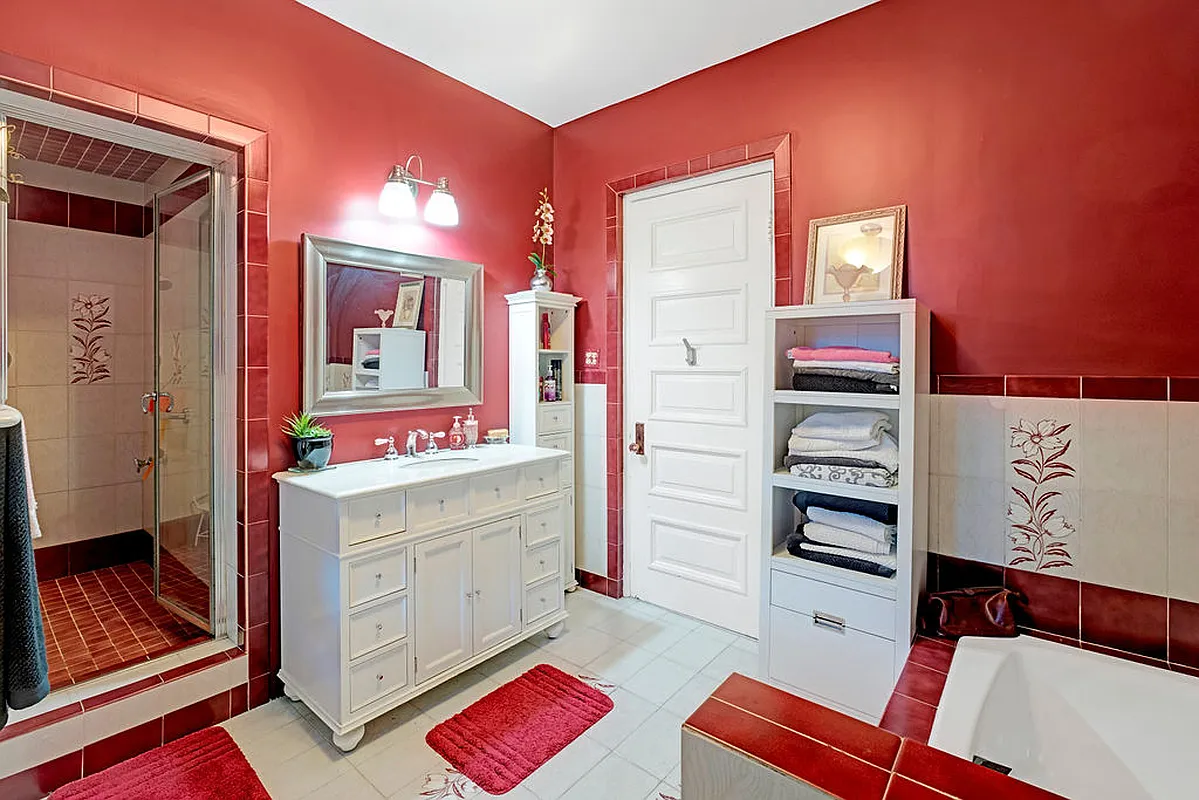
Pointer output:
x,y
500,740
203,766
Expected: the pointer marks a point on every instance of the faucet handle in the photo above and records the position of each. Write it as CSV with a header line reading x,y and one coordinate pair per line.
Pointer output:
x,y
389,440
432,447
391,453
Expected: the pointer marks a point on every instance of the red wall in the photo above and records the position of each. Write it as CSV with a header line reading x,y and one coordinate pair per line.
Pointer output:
x,y
1047,152
339,110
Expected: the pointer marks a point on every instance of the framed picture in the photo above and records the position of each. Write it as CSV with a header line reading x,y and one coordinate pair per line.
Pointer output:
x,y
408,304
856,257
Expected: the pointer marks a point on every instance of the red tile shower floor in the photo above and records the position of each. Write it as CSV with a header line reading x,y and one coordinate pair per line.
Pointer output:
x,y
100,621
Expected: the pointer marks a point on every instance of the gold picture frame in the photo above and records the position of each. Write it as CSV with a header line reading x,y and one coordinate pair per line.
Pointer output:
x,y
856,257
408,301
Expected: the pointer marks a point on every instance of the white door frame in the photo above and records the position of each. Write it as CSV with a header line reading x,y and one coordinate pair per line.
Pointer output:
x,y
720,176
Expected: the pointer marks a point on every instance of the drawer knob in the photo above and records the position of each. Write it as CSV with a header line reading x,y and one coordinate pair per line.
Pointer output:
x,y
541,480
497,491
378,518
542,600
469,595
543,524
378,577
379,677
542,562
441,504
478,592
378,627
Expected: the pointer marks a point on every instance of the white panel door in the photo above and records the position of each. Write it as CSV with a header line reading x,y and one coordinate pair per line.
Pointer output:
x,y
699,266
497,581
444,600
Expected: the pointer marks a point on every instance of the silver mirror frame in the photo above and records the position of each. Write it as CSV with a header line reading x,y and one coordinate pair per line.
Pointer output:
x,y
319,252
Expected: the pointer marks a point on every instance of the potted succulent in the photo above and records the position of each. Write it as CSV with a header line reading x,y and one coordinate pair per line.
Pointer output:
x,y
311,441
543,234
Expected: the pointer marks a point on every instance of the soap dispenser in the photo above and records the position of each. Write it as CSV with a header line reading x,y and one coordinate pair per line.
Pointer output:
x,y
457,437
472,428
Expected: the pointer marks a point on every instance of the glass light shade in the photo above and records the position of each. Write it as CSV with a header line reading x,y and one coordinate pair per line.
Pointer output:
x,y
442,209
870,250
398,199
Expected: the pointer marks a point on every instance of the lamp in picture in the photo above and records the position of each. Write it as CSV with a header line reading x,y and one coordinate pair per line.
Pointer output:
x,y
856,257
399,195
870,252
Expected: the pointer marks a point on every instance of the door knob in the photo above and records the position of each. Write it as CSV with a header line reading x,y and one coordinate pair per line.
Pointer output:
x,y
638,445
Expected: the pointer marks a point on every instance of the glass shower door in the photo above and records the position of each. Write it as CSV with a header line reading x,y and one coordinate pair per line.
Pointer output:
x,y
182,400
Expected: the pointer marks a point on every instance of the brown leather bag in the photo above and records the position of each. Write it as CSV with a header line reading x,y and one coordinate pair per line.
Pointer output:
x,y
983,611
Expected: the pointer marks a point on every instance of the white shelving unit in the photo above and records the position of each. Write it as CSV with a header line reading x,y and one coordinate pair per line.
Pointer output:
x,y
532,421
401,359
837,636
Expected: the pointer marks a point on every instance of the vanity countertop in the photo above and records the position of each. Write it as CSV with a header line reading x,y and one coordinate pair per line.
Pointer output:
x,y
356,478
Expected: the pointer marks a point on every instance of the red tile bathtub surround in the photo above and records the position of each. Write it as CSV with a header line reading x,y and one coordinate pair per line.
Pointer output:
x,y
838,755
1124,620
906,716
1052,603
1184,633
913,704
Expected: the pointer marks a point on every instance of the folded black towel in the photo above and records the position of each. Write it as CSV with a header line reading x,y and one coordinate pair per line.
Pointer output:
x,y
877,511
24,676
371,362
849,372
836,383
844,562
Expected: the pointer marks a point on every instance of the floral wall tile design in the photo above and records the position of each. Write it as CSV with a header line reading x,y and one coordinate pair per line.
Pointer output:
x,y
450,783
90,357
1039,530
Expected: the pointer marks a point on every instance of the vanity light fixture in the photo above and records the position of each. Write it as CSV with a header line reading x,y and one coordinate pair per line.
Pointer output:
x,y
398,198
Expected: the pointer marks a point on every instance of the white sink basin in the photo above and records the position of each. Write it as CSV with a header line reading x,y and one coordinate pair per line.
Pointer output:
x,y
436,462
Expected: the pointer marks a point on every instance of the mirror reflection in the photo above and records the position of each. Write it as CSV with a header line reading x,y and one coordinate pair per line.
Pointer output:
x,y
388,330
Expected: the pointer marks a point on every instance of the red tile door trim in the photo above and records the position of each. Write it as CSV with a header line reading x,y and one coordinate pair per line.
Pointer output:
x,y
776,148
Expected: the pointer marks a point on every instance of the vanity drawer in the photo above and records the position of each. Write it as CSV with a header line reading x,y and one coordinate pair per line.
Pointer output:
x,y
378,575
378,626
849,667
540,478
566,471
858,610
379,675
544,526
377,515
542,599
542,561
437,504
555,441
495,490
555,417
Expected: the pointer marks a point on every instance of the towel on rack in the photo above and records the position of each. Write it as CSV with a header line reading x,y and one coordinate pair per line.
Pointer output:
x,y
24,675
799,547
840,354
835,383
839,537
876,477
809,501
849,521
864,366
843,425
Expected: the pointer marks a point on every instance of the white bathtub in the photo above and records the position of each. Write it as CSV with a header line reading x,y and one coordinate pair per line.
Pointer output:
x,y
1086,726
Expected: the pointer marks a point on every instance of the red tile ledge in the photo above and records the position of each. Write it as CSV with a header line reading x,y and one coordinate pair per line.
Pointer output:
x,y
15,729
121,692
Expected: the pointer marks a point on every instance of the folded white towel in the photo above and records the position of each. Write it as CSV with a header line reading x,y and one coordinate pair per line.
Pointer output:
x,y
798,445
878,531
844,425
868,366
839,537
885,453
884,560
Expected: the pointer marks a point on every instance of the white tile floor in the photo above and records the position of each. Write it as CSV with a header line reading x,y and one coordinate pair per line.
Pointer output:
x,y
657,666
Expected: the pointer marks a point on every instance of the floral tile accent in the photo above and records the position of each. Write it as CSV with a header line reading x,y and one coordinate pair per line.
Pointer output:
x,y
449,783
599,684
90,359
1042,516
178,369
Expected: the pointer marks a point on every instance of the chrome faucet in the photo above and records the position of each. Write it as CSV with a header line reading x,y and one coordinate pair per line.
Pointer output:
x,y
392,454
410,447
431,448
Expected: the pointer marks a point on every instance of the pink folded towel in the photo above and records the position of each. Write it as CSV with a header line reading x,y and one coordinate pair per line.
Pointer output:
x,y
374,352
840,354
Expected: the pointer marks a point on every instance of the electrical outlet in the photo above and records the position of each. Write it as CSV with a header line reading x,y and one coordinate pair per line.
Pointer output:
x,y
591,358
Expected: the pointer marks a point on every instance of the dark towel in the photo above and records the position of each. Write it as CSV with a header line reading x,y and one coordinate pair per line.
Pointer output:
x,y
24,676
836,383
882,512
861,374
370,363
790,460
844,562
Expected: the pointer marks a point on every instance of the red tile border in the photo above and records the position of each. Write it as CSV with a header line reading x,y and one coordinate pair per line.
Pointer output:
x,y
970,384
24,76
77,87
1052,603
960,778
1115,388
1088,387
119,747
1124,620
1183,643
776,147
935,654
1184,390
907,717
197,716
1035,386
44,206
121,692
37,782
921,683
31,724
902,788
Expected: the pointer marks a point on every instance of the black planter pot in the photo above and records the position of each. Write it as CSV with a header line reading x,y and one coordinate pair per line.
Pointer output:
x,y
312,453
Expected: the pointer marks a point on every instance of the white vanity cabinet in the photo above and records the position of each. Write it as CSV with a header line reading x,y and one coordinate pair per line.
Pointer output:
x,y
398,575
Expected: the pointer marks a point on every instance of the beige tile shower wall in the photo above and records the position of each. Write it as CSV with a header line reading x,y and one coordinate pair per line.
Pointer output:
x,y
84,434
1111,484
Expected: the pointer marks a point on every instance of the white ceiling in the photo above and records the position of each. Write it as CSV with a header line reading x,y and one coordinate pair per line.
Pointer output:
x,y
560,60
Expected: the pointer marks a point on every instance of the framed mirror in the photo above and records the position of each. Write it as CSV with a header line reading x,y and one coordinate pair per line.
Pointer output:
x,y
389,331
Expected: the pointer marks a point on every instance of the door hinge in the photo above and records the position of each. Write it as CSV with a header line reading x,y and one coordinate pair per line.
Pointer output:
x,y
770,227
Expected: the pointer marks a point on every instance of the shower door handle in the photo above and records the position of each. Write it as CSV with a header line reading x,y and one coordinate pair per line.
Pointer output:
x,y
151,399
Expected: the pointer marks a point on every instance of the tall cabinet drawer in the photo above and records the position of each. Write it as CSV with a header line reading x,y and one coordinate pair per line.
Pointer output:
x,y
378,575
861,611
555,417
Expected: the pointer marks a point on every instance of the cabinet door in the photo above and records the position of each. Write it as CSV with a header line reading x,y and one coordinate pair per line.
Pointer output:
x,y
443,597
498,587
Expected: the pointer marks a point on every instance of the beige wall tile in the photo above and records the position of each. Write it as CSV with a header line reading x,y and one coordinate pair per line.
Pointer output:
x,y
40,359
54,518
1182,449
1183,552
45,411
92,512
37,304
48,464
91,408
970,440
130,363
127,409
127,506
92,461
1126,542
970,513
1125,446
37,250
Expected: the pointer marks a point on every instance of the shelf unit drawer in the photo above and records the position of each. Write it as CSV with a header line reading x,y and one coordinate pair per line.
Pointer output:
x,y
374,516
542,561
378,575
437,504
378,676
846,666
544,525
378,626
555,441
540,479
868,613
555,417
542,599
495,490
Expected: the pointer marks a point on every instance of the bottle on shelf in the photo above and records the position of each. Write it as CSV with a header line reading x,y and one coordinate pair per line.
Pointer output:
x,y
549,388
457,436
471,427
545,331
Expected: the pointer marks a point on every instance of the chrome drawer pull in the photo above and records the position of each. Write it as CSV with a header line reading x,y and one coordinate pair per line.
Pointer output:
x,y
378,577
379,677
378,518
828,621
378,627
